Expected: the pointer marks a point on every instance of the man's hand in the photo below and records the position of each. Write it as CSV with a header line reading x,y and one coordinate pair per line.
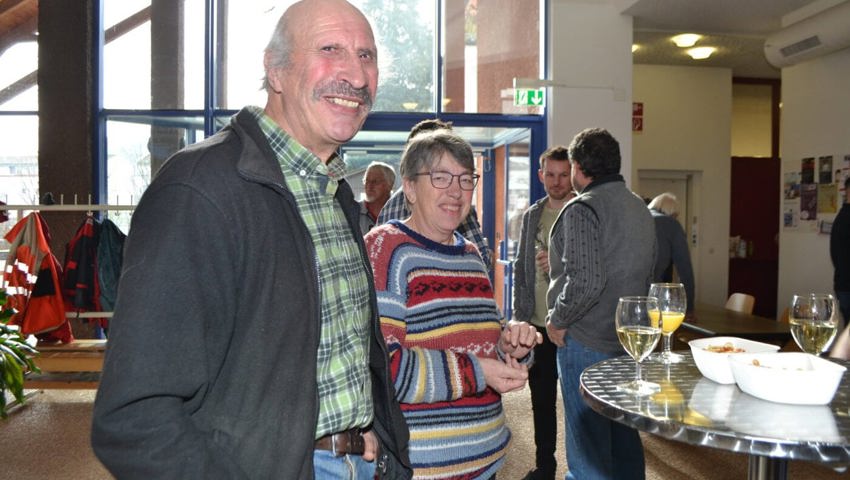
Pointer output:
x,y
504,376
519,338
542,261
556,335
373,448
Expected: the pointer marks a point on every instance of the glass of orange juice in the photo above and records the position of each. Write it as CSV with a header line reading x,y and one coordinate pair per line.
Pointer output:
x,y
672,305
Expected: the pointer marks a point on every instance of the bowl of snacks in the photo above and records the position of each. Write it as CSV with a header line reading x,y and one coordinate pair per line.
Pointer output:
x,y
787,377
712,355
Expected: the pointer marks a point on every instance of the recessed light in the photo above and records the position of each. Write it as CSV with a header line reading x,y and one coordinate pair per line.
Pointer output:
x,y
686,39
700,53
635,46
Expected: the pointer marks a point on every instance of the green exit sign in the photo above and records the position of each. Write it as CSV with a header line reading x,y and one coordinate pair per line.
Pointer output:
x,y
529,97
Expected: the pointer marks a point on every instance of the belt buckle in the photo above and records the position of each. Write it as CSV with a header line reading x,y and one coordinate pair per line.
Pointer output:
x,y
348,442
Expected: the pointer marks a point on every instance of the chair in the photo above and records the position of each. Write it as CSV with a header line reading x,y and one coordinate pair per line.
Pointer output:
x,y
741,302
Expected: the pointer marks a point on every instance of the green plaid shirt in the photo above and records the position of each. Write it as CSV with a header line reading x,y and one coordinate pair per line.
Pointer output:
x,y
345,393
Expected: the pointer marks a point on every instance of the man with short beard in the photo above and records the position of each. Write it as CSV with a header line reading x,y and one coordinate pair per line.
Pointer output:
x,y
531,281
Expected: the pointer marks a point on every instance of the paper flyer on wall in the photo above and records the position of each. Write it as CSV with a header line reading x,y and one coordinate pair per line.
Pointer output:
x,y
827,198
809,206
807,170
791,201
845,174
825,169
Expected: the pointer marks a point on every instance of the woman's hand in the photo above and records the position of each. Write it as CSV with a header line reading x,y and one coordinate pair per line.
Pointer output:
x,y
519,338
504,376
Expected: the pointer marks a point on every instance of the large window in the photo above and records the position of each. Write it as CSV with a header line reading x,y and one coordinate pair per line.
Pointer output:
x,y
18,124
174,70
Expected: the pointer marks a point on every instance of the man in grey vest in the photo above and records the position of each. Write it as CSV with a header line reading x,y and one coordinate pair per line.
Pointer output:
x,y
602,248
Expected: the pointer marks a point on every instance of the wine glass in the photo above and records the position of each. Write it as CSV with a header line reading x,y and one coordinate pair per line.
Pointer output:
x,y
812,320
673,304
638,336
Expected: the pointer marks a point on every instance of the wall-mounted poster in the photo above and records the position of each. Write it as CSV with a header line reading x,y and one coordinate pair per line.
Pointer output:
x,y
827,197
825,169
807,170
791,185
808,201
791,217
845,173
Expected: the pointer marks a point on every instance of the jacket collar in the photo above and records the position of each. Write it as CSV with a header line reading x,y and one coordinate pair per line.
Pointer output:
x,y
603,179
256,159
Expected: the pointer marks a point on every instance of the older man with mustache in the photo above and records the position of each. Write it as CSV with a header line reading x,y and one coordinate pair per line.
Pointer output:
x,y
245,341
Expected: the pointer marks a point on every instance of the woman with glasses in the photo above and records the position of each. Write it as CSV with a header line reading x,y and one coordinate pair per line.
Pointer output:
x,y
450,357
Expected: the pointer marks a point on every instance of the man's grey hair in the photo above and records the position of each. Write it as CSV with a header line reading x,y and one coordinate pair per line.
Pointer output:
x,y
666,203
385,168
279,48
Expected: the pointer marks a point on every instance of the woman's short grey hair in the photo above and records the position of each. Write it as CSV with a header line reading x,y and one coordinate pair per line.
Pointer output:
x,y
425,149
665,203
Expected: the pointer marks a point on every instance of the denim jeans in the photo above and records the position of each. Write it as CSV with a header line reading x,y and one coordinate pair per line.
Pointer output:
x,y
597,448
346,467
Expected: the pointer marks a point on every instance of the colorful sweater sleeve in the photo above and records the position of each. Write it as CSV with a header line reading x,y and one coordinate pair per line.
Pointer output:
x,y
424,375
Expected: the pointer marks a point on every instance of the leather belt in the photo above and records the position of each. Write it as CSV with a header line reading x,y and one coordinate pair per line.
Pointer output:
x,y
349,442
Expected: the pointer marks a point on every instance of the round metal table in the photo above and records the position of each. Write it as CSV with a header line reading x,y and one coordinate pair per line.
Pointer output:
x,y
693,409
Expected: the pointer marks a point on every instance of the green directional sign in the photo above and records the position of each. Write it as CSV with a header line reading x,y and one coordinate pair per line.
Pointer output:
x,y
529,97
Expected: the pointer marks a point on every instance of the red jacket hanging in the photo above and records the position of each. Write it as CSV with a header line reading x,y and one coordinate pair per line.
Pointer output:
x,y
79,284
31,280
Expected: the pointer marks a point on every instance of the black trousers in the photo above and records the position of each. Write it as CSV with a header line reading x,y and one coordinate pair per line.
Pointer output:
x,y
543,383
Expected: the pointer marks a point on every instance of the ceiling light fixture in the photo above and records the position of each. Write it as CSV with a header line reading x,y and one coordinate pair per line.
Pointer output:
x,y
686,39
700,53
635,46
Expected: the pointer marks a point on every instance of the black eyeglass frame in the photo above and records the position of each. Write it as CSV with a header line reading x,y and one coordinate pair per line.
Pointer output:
x,y
475,178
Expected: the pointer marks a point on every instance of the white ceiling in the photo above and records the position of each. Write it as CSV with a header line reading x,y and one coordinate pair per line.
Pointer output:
x,y
738,28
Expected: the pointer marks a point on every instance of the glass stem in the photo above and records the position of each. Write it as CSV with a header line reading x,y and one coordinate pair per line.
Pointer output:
x,y
666,342
637,372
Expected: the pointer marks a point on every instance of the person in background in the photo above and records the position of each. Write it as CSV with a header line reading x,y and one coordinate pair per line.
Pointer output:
x,y
839,252
396,208
245,340
450,357
601,248
672,245
531,281
377,186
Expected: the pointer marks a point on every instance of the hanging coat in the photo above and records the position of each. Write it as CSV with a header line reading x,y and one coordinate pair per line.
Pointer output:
x,y
31,280
110,250
79,284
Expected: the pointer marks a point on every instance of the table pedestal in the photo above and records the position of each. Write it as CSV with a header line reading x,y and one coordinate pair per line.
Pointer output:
x,y
767,468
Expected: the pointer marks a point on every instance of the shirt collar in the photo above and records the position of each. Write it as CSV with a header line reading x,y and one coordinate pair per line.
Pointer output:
x,y
297,160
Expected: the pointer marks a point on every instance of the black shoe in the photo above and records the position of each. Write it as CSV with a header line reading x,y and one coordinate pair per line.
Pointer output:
x,y
538,474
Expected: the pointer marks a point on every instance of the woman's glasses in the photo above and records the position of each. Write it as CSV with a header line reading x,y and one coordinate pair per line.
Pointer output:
x,y
442,180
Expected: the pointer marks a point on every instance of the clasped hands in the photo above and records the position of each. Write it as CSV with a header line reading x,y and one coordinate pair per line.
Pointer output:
x,y
516,341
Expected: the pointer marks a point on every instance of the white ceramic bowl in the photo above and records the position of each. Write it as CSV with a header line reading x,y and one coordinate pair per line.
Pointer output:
x,y
787,377
715,365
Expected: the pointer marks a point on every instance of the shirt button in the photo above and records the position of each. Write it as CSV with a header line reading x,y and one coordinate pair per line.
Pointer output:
x,y
303,173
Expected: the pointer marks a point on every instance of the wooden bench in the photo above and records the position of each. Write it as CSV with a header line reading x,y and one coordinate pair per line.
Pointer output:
x,y
68,365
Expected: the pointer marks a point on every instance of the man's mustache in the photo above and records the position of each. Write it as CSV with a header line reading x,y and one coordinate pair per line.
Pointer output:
x,y
344,89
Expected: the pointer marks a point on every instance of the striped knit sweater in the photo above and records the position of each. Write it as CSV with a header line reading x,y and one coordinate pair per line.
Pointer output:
x,y
438,316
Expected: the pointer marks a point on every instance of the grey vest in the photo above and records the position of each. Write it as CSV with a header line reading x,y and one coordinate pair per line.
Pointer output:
x,y
627,237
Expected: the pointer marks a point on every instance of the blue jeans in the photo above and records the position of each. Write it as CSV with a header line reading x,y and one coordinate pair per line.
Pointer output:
x,y
346,467
597,448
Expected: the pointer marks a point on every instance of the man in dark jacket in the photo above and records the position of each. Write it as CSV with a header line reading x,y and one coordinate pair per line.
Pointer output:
x,y
839,252
245,340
